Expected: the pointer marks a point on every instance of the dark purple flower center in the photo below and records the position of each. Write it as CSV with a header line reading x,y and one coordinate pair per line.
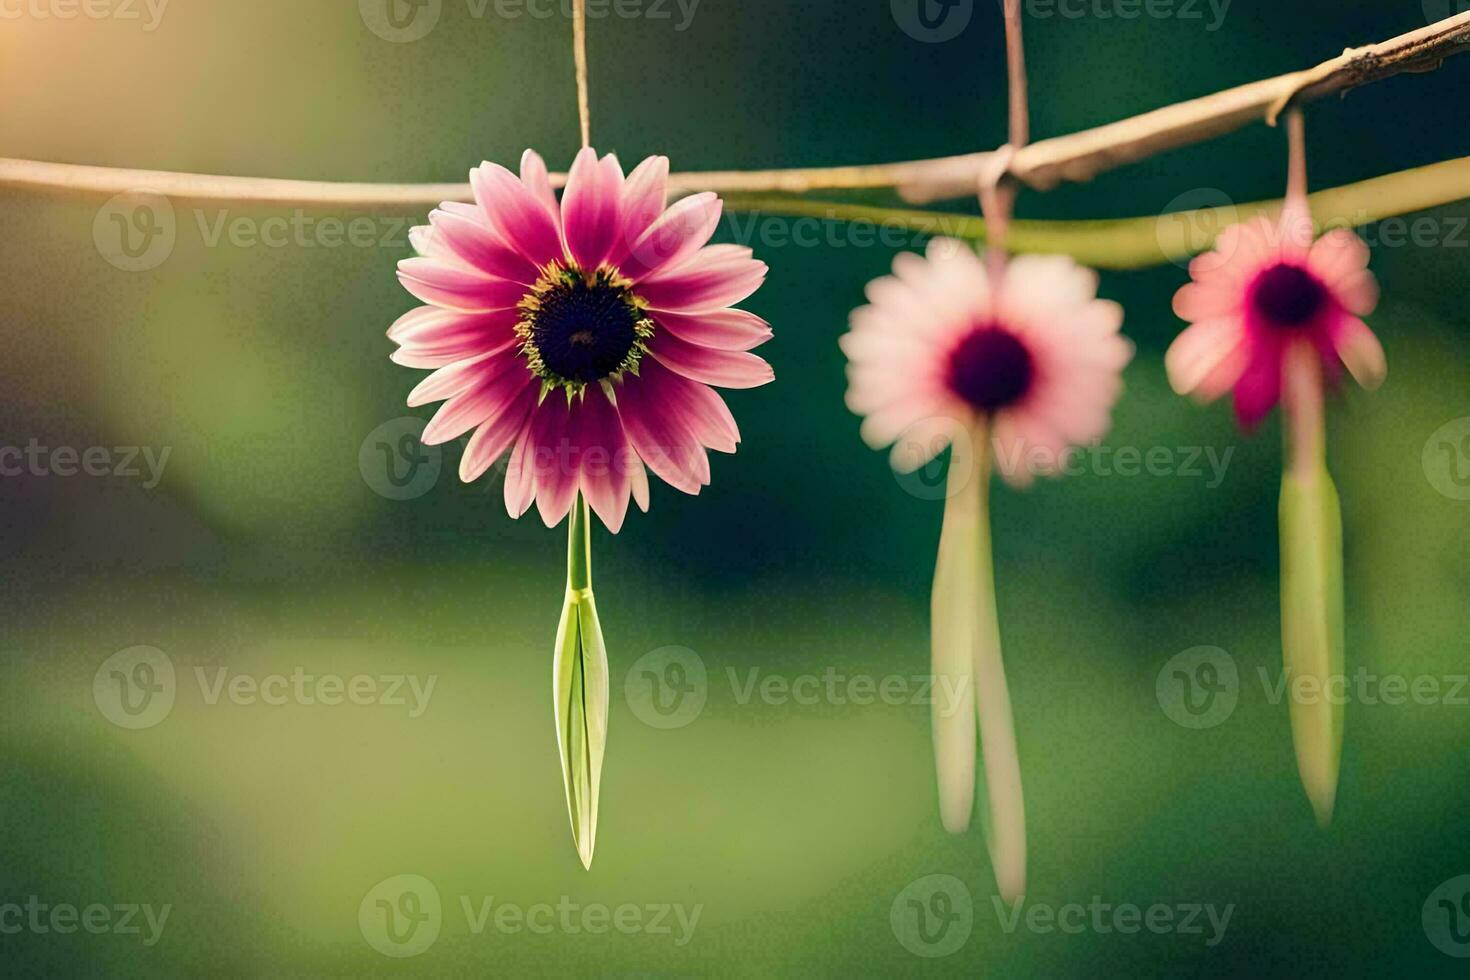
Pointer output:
x,y
1288,296
991,369
578,330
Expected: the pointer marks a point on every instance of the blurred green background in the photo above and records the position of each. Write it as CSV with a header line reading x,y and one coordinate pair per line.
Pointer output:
x,y
264,548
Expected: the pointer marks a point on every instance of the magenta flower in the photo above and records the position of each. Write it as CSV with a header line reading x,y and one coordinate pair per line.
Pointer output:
x,y
1263,288
1040,359
582,337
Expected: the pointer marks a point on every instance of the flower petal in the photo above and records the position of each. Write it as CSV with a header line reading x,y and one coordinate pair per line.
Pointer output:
x,y
538,182
517,214
1361,351
1259,388
496,434
645,196
1200,349
472,241
430,337
589,208
606,460
662,440
456,287
722,368
490,395
717,277
674,237
552,451
720,329
520,483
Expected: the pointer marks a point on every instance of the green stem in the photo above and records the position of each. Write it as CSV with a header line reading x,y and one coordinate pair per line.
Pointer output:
x,y
1131,243
579,547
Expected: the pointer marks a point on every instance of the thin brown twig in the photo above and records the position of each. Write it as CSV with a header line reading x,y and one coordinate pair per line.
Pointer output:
x,y
997,195
1042,165
579,55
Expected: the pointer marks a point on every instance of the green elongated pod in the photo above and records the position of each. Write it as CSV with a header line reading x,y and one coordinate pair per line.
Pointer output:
x,y
1311,588
580,688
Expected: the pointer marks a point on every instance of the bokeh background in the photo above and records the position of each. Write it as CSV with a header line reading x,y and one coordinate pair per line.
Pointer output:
x,y
267,547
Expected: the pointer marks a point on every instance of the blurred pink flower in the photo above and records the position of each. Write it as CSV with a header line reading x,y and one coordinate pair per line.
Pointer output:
x,y
1262,288
583,336
939,349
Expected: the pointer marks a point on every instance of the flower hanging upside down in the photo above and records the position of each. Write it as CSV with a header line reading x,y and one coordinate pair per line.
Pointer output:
x,y
1263,288
1040,358
1274,315
582,336
945,356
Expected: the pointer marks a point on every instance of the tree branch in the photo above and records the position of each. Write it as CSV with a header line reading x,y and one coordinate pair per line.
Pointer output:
x,y
1130,243
1043,165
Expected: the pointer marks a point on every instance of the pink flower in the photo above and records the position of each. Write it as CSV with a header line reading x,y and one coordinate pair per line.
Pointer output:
x,y
1260,291
582,337
939,350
